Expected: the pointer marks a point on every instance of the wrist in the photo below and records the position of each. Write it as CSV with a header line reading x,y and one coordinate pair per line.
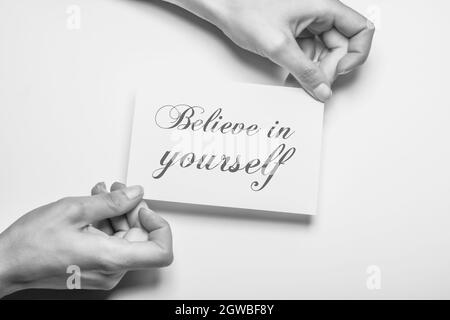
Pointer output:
x,y
213,11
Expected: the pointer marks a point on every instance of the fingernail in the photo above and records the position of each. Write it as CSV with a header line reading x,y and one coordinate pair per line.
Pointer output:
x,y
323,92
100,185
133,192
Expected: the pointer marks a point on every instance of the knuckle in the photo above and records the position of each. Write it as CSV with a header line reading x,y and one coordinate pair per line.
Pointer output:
x,y
278,45
71,205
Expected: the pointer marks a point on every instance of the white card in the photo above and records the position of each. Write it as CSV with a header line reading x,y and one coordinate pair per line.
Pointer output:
x,y
232,145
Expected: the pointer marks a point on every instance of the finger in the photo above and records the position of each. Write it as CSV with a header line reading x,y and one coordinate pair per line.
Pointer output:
x,y
128,255
153,222
312,79
102,225
142,255
106,205
125,230
334,40
157,227
321,51
119,223
132,216
157,252
117,186
305,33
307,45
136,234
336,48
359,30
99,188
315,50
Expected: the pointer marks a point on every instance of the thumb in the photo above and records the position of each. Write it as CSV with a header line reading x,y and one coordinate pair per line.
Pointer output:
x,y
108,205
310,76
158,229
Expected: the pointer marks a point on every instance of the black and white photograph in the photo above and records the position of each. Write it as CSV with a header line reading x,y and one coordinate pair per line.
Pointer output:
x,y
224,155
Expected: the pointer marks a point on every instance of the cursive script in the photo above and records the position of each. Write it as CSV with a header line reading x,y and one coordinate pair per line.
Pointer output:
x,y
186,117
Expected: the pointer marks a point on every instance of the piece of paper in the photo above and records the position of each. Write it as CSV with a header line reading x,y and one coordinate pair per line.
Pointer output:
x,y
232,145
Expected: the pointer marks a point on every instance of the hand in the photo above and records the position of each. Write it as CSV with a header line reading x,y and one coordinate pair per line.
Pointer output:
x,y
315,40
104,235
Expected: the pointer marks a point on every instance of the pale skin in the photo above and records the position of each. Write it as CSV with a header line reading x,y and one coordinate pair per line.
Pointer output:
x,y
288,31
105,235
114,231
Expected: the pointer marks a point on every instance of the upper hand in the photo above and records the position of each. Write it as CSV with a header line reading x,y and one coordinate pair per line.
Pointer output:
x,y
288,32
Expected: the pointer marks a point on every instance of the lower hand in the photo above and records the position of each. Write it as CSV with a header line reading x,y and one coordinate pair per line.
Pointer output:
x,y
104,235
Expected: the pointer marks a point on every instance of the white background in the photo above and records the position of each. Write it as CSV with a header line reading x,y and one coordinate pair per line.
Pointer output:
x,y
65,99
